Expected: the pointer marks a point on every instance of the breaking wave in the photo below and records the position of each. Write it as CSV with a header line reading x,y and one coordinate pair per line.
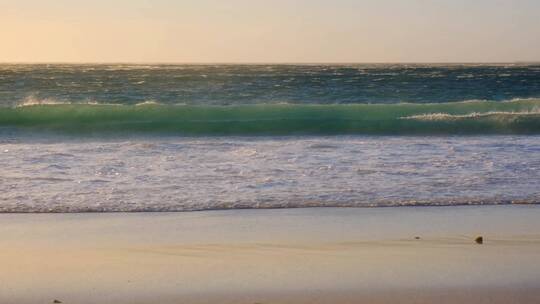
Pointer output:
x,y
520,116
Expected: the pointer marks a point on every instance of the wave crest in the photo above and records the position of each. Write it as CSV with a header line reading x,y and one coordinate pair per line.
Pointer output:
x,y
33,100
475,115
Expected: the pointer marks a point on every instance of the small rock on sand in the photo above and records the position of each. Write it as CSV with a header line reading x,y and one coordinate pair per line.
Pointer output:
x,y
479,240
57,301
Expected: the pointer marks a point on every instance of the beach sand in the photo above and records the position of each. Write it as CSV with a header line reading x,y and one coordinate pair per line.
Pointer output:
x,y
327,255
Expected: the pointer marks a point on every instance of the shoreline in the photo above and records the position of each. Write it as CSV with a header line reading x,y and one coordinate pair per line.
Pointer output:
x,y
508,202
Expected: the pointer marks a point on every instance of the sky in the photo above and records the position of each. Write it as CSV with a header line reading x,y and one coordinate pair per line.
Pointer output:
x,y
269,31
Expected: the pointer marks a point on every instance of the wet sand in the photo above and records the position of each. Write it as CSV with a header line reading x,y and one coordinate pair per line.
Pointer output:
x,y
274,256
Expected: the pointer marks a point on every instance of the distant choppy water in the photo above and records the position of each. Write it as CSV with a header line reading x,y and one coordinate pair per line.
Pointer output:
x,y
266,84
77,138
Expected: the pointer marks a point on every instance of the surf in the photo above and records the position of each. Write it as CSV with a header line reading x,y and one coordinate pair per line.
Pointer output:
x,y
520,116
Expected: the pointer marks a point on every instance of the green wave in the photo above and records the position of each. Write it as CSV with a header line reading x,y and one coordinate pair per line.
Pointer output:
x,y
472,117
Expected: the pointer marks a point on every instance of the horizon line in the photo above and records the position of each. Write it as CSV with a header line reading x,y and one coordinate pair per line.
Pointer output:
x,y
269,62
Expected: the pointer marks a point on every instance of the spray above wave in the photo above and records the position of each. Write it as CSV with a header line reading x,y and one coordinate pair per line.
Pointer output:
x,y
473,117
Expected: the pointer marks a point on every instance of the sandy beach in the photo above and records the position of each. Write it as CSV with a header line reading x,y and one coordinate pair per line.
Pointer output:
x,y
365,255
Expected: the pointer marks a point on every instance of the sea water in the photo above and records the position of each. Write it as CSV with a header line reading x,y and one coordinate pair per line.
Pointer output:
x,y
76,138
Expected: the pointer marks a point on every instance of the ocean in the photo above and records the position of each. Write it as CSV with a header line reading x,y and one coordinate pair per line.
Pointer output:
x,y
128,138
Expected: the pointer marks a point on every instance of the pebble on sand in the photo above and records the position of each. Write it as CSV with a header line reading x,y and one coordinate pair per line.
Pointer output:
x,y
479,240
57,301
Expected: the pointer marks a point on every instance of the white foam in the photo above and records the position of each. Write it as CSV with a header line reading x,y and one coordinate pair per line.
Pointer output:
x,y
35,101
32,100
148,102
446,116
183,174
